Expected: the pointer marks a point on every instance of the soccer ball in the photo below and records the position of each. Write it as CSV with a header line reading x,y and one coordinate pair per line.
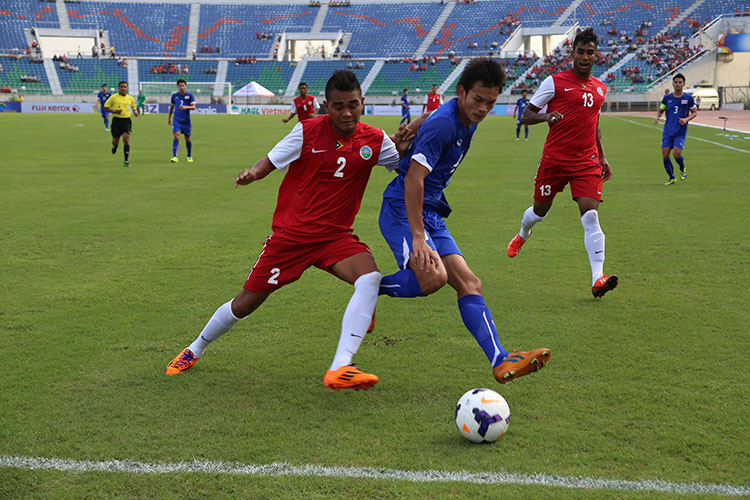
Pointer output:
x,y
482,415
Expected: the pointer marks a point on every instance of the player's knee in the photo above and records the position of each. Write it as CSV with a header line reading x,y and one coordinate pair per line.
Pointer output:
x,y
471,285
433,281
369,281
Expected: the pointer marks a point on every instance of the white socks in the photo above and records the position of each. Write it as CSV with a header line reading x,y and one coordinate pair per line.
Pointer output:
x,y
593,238
220,323
527,222
357,318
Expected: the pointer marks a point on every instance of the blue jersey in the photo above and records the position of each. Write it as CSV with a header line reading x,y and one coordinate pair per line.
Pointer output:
x,y
103,96
521,105
441,143
404,105
676,108
182,115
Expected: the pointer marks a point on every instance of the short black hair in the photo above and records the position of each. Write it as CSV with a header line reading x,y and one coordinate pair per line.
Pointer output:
x,y
679,75
301,84
586,35
122,83
104,84
406,90
343,80
483,70
181,80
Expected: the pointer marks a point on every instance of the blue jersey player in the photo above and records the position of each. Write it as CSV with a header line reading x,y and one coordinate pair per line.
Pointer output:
x,y
520,106
679,109
405,108
181,104
412,217
102,97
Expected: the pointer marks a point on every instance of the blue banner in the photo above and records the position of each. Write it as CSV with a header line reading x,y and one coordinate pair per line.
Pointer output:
x,y
200,109
10,107
734,42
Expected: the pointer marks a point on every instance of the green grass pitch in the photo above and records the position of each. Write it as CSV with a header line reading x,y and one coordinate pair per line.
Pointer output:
x,y
108,272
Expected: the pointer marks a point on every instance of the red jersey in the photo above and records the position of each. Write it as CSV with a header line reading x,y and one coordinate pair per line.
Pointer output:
x,y
326,178
433,101
571,141
305,107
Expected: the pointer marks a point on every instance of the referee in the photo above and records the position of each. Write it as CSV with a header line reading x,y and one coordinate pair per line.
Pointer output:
x,y
120,105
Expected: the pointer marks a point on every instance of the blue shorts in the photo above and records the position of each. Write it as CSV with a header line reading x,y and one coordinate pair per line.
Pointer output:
x,y
105,114
395,229
183,128
673,141
406,114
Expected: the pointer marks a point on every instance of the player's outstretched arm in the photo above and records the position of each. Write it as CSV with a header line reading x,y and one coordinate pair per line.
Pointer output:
x,y
606,169
262,168
406,133
662,107
532,116
285,120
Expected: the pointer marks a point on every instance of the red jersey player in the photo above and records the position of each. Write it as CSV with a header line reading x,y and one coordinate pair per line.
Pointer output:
x,y
304,106
328,160
432,101
573,153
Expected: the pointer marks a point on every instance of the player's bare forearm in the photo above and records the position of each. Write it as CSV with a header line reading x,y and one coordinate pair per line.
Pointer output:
x,y
606,169
406,133
532,116
414,199
262,168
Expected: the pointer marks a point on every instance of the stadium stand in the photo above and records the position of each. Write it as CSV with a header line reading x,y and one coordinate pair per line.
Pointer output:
x,y
160,70
91,75
474,29
317,73
383,30
17,15
398,75
157,35
248,30
136,29
272,75
22,74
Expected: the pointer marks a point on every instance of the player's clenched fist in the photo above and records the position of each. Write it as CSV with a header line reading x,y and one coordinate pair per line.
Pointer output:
x,y
244,178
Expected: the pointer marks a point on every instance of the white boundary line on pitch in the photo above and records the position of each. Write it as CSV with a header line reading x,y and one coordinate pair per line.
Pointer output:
x,y
690,136
423,476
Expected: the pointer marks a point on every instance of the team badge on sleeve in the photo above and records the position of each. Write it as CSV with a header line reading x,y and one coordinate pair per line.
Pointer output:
x,y
599,91
365,152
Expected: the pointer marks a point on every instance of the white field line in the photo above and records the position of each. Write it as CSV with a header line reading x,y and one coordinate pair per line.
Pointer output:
x,y
418,476
690,136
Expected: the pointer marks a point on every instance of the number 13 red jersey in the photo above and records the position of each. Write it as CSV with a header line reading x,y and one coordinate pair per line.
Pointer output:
x,y
571,141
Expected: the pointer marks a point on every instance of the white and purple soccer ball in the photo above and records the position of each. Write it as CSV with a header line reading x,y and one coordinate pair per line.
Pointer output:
x,y
482,415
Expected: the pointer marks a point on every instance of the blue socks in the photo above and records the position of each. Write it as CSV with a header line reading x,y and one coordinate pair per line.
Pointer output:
x,y
526,132
106,123
478,319
401,284
681,162
518,132
669,168
175,145
189,145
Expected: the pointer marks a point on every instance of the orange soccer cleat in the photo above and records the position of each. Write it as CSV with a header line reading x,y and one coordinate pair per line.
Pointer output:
x,y
514,247
349,377
182,362
603,285
517,364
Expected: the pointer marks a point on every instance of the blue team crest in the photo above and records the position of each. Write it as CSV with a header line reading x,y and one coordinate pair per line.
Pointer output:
x,y
365,152
599,91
